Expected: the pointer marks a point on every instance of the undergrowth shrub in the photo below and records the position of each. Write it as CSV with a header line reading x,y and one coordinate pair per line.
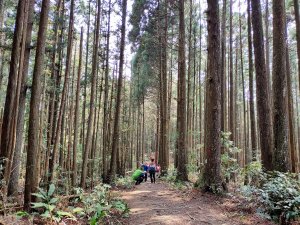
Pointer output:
x,y
124,182
171,178
277,195
229,164
280,197
98,204
47,204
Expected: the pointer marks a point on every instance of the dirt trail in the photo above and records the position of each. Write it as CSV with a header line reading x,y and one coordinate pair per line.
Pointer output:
x,y
157,204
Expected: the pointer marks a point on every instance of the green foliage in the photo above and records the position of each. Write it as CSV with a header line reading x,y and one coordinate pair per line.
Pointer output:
x,y
98,204
121,206
253,173
22,214
280,197
171,178
229,164
48,204
124,182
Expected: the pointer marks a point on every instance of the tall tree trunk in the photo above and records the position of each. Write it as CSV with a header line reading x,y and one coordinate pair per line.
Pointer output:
x,y
223,66
181,105
76,119
280,117
85,78
88,143
292,143
262,88
64,95
245,147
105,104
212,172
115,142
14,179
163,151
231,86
9,117
267,44
34,126
297,18
251,95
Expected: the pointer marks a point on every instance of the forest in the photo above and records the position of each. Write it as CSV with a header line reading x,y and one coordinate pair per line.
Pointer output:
x,y
206,91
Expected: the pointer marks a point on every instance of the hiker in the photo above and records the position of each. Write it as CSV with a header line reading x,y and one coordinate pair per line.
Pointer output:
x,y
158,168
145,169
152,170
138,176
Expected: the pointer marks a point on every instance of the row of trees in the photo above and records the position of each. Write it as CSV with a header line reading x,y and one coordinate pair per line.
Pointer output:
x,y
217,91
71,117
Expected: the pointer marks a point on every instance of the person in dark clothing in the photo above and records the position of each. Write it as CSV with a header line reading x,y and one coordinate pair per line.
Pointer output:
x,y
139,179
152,170
145,169
138,176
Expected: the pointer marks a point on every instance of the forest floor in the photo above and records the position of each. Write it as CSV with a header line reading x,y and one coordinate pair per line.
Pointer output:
x,y
152,204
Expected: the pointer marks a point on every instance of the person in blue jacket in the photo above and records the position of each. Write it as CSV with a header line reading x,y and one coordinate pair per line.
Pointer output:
x,y
145,169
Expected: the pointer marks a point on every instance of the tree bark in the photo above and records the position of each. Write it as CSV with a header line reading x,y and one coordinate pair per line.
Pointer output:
x,y
34,125
251,91
115,142
64,95
14,179
10,116
280,117
297,18
212,180
88,143
181,102
76,118
262,88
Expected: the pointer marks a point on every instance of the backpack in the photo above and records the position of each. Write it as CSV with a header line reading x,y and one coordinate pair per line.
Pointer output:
x,y
152,168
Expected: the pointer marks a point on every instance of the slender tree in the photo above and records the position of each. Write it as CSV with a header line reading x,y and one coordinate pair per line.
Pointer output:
x,y
181,102
251,91
115,141
88,143
59,124
76,118
9,116
297,18
262,88
14,179
34,125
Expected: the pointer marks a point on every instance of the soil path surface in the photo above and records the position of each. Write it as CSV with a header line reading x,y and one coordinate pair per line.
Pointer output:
x,y
158,204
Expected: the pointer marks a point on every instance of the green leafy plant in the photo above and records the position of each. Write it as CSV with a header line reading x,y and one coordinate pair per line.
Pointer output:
x,y
253,173
280,197
229,164
22,214
48,204
124,182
